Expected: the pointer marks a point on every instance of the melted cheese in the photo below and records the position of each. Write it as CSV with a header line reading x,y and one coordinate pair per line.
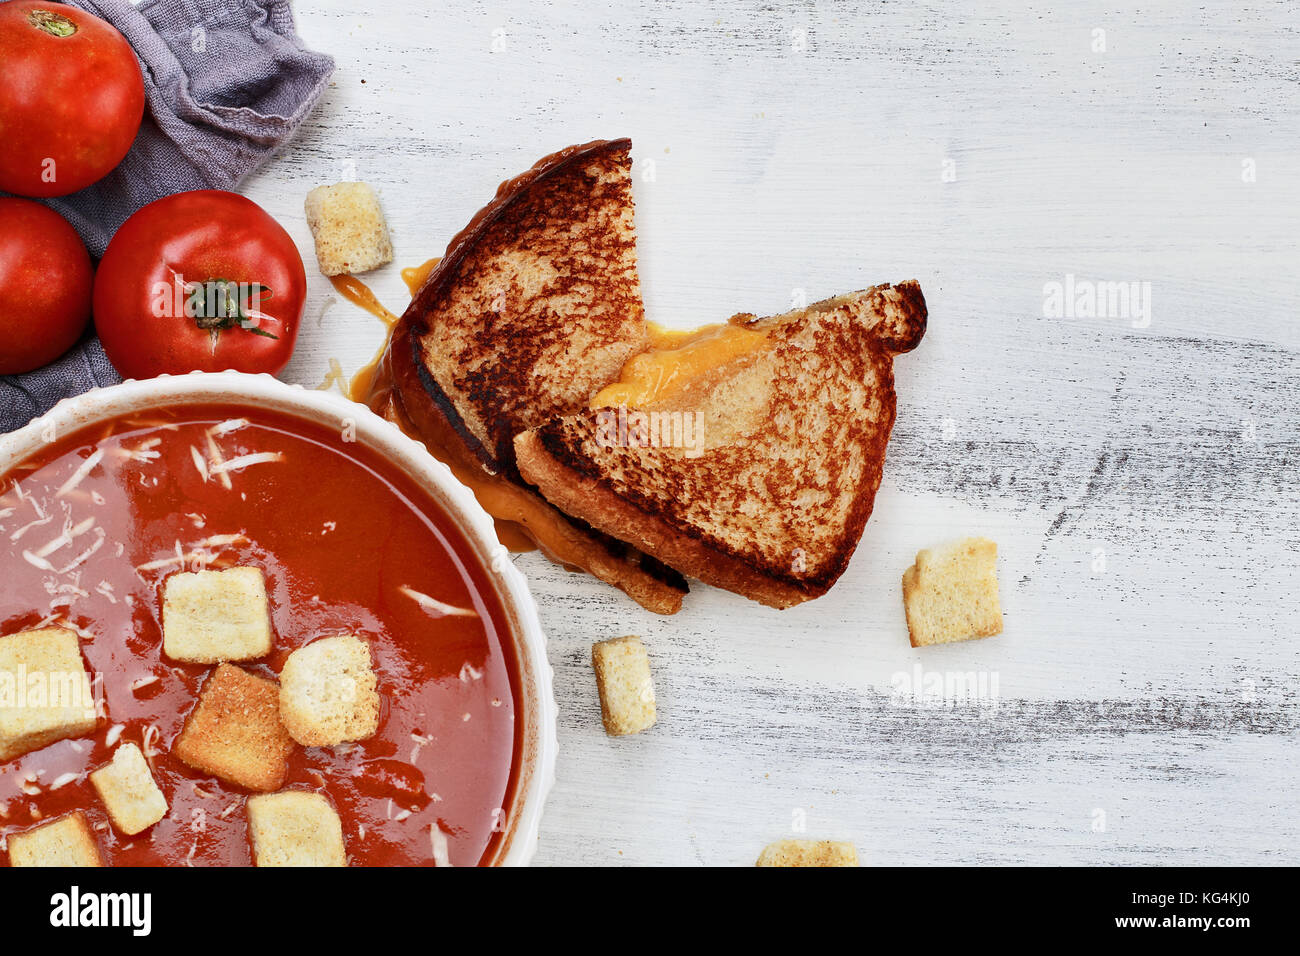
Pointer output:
x,y
674,359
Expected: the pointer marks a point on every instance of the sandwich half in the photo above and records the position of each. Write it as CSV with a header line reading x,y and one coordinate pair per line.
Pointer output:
x,y
535,307
747,455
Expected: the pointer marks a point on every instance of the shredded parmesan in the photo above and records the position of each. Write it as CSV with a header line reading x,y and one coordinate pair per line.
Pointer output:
x,y
434,606
222,540
151,735
438,840
228,811
215,458
42,520
401,816
229,425
420,743
199,557
142,682
69,535
245,461
469,672
106,589
199,463
86,555
63,779
78,476
37,562
113,734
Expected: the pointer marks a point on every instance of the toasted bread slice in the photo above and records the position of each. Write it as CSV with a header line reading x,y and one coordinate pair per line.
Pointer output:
x,y
535,306
789,431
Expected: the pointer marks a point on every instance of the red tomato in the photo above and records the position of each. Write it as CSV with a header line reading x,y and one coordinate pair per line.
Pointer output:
x,y
71,98
202,280
45,279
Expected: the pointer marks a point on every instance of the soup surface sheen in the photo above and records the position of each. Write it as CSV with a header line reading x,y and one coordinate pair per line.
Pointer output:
x,y
348,544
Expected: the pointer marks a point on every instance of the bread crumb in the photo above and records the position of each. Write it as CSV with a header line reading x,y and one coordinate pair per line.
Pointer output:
x,y
951,593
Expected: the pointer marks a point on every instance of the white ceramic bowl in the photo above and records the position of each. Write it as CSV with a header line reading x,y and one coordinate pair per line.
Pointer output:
x,y
537,762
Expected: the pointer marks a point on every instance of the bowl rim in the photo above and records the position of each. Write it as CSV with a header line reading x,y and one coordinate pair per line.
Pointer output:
x,y
534,783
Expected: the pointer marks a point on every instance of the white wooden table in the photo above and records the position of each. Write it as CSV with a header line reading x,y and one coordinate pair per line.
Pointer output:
x,y
1141,482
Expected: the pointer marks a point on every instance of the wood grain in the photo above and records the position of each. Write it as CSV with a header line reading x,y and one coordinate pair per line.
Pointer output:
x,y
1140,482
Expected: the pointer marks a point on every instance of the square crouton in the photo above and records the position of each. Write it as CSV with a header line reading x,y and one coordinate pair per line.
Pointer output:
x,y
808,853
951,593
215,616
295,828
67,841
349,228
328,692
45,692
234,732
127,788
627,691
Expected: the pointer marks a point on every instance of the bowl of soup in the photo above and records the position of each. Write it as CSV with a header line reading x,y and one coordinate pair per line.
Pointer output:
x,y
357,531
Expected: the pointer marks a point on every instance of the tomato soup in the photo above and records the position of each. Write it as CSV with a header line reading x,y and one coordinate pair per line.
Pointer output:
x,y
91,529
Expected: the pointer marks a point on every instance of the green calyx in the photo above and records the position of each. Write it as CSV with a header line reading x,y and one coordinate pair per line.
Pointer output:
x,y
220,304
55,24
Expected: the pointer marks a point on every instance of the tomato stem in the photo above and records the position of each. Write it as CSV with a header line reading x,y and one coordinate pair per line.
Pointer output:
x,y
218,304
55,24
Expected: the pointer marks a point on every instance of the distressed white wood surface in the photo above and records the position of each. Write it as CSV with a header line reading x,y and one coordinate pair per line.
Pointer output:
x,y
1147,712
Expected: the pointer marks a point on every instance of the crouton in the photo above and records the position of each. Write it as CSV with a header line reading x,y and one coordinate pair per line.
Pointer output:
x,y
215,616
234,732
45,692
808,853
951,593
328,692
67,841
128,790
627,691
349,228
295,828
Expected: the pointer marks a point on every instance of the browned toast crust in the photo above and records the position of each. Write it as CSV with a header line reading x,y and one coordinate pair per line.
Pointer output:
x,y
536,304
775,509
648,582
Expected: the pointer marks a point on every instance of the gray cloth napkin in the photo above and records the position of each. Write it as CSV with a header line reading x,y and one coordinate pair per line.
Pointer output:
x,y
227,83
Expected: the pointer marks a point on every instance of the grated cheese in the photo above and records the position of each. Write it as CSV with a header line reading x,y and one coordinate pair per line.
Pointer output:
x,y
142,682
434,606
438,840
229,425
37,562
42,520
245,461
199,463
215,458
67,537
63,779
88,553
78,476
151,735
